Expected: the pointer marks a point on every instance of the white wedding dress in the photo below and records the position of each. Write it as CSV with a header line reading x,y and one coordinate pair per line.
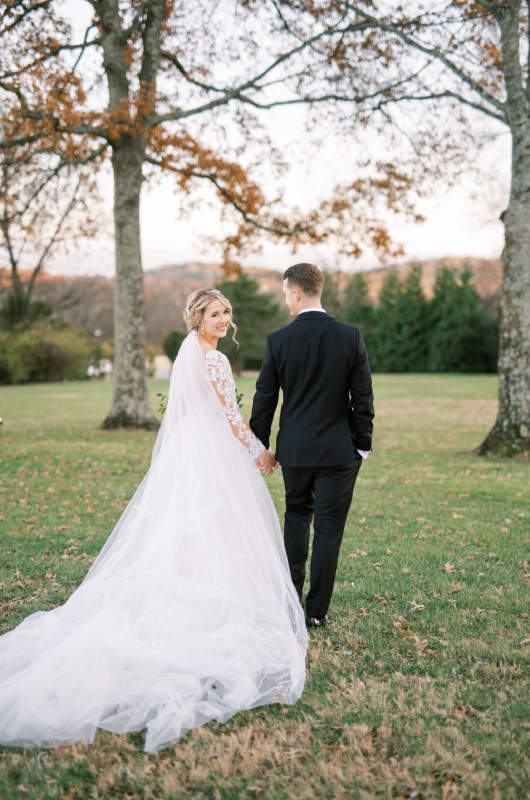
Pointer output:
x,y
188,613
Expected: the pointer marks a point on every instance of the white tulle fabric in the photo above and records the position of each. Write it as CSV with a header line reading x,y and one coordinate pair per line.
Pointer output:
x,y
188,613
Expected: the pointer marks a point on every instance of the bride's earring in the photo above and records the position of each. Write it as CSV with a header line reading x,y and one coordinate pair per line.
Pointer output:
x,y
201,329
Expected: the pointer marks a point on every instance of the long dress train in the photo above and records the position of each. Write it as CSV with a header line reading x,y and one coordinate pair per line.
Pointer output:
x,y
188,614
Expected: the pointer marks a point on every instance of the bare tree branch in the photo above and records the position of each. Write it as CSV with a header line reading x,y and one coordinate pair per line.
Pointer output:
x,y
53,238
45,4
432,52
277,230
151,44
516,96
528,48
441,96
251,83
82,47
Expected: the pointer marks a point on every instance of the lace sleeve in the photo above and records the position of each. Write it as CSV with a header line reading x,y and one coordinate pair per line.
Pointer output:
x,y
221,376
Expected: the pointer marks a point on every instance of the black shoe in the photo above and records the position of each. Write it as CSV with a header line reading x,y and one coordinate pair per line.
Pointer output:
x,y
315,622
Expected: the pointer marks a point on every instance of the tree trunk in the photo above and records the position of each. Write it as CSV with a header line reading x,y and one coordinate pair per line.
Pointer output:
x,y
130,405
510,436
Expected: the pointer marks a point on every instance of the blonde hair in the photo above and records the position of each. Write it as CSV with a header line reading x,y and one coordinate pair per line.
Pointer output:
x,y
196,305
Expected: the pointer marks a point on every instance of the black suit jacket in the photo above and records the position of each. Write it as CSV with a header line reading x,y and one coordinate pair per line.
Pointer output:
x,y
322,367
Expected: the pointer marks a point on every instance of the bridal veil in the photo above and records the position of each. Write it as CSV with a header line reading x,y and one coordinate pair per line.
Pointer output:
x,y
187,615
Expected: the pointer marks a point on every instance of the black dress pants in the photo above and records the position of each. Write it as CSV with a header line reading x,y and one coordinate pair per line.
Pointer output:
x,y
324,495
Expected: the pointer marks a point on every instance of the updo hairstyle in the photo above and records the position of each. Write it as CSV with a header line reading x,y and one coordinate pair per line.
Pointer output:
x,y
196,305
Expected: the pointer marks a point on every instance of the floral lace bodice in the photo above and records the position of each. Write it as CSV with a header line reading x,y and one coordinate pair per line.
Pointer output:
x,y
221,376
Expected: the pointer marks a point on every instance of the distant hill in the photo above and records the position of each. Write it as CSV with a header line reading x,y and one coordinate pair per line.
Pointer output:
x,y
87,302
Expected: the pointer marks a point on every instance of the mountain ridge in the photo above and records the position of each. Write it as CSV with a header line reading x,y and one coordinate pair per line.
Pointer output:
x,y
87,301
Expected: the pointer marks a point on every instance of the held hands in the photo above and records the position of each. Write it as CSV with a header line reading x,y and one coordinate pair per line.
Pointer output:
x,y
266,462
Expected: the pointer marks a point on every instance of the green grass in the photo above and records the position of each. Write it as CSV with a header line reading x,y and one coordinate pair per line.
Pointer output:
x,y
421,686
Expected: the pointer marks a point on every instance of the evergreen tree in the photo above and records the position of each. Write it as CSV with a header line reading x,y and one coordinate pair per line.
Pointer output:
x,y
411,310
331,296
172,343
357,308
453,311
450,332
480,343
384,350
255,315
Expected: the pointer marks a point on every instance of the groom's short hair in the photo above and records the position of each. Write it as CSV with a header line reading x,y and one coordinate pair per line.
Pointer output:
x,y
307,277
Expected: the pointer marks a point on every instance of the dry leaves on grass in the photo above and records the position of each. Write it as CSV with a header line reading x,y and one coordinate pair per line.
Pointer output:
x,y
358,554
408,634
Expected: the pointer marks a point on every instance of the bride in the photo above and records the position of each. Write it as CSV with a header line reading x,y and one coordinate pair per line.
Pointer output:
x,y
188,614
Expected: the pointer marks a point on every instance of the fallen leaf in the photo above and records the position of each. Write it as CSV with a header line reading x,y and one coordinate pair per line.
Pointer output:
x,y
357,553
422,644
448,787
448,567
416,606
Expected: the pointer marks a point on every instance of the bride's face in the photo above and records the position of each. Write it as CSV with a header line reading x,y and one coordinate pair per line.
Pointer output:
x,y
216,319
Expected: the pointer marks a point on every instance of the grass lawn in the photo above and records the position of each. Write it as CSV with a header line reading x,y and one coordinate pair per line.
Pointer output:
x,y
421,686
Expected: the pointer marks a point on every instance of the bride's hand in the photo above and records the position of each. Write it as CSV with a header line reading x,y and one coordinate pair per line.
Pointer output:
x,y
265,463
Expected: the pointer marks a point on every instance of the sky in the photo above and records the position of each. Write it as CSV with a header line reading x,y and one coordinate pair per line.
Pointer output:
x,y
462,221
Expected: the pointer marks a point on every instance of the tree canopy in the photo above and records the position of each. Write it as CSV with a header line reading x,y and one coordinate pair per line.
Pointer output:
x,y
180,87
161,85
431,80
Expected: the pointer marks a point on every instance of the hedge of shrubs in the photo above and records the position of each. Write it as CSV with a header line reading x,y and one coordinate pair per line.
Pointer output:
x,y
46,351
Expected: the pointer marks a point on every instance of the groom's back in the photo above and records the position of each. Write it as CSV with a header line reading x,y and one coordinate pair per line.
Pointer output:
x,y
321,364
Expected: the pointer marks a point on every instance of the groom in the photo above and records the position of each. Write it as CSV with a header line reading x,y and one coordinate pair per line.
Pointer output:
x,y
322,368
